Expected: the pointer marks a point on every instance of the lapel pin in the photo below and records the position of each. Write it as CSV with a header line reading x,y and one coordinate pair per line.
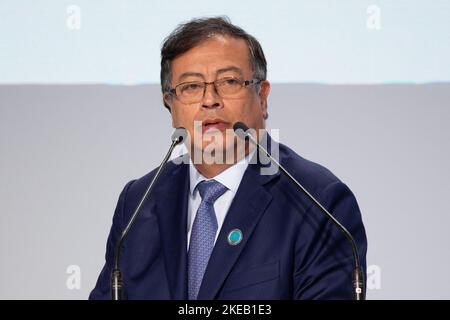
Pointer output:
x,y
235,237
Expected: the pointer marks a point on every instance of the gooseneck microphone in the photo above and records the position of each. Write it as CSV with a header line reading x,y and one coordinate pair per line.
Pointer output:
x,y
116,275
358,279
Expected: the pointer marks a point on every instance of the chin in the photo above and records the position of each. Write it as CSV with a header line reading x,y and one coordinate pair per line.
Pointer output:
x,y
209,148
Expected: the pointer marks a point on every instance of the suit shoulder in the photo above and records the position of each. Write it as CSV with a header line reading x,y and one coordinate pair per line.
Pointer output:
x,y
140,184
311,174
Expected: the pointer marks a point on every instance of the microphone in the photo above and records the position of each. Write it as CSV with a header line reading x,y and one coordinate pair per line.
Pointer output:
x,y
178,136
358,279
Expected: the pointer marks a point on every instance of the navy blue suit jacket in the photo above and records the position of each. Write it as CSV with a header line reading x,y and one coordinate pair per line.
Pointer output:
x,y
290,250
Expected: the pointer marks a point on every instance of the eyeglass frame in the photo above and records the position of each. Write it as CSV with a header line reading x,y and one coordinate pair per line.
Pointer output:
x,y
244,84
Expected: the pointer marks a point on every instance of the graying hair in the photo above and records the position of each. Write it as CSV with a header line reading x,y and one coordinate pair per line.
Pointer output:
x,y
188,35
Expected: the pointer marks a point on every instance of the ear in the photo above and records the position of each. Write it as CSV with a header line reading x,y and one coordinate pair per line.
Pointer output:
x,y
167,100
263,95
168,103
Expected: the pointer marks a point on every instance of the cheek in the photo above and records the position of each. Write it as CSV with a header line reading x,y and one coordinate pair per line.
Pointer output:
x,y
179,117
184,118
251,112
176,120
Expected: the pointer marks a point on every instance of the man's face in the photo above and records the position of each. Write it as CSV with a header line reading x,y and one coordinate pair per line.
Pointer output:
x,y
216,58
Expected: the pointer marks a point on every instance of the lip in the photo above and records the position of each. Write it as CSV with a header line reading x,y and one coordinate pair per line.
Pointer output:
x,y
217,124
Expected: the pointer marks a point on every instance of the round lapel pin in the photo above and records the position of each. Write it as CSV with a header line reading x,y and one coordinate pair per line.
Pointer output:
x,y
235,237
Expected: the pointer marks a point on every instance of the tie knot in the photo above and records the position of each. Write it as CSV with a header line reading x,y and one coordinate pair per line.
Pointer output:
x,y
211,190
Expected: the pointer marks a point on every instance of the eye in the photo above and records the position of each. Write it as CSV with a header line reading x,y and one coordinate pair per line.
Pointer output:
x,y
231,82
190,87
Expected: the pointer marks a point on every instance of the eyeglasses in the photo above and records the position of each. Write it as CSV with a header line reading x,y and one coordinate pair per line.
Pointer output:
x,y
194,91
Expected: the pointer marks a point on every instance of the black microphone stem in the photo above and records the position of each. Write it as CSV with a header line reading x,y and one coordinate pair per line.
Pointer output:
x,y
116,274
358,277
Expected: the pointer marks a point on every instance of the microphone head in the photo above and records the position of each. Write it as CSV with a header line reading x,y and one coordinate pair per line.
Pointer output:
x,y
240,129
179,135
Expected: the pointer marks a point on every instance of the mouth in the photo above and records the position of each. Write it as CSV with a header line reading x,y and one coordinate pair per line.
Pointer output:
x,y
216,124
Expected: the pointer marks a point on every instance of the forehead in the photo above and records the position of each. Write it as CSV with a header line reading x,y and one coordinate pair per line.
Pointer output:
x,y
213,55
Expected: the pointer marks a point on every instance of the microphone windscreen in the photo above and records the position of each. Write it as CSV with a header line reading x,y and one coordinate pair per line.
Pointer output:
x,y
240,129
179,135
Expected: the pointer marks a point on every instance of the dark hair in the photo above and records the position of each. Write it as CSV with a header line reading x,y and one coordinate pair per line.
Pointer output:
x,y
188,35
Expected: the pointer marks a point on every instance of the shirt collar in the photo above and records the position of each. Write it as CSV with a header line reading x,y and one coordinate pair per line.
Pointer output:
x,y
230,177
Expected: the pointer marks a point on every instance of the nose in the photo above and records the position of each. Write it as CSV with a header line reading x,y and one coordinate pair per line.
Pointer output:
x,y
211,98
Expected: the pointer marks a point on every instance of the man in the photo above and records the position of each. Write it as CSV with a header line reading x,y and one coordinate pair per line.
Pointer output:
x,y
223,229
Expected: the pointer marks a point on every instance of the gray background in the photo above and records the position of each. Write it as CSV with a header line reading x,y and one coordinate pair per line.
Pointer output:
x,y
68,150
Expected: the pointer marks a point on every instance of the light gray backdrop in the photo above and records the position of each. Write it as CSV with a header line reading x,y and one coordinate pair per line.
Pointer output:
x,y
67,151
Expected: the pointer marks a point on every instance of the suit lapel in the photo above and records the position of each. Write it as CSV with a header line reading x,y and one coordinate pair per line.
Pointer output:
x,y
248,206
171,210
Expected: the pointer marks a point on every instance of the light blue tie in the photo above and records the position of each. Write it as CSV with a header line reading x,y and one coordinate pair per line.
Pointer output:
x,y
203,234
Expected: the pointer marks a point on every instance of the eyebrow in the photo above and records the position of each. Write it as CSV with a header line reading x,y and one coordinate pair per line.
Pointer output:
x,y
190,74
231,68
197,74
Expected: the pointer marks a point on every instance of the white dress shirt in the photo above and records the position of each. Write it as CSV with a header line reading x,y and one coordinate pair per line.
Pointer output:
x,y
230,178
